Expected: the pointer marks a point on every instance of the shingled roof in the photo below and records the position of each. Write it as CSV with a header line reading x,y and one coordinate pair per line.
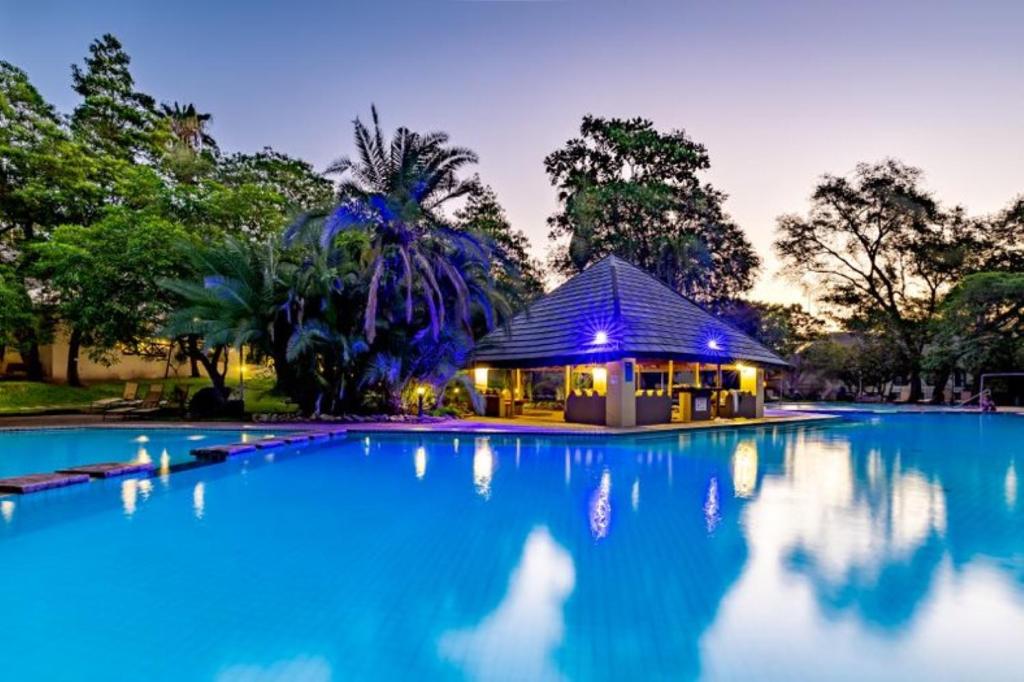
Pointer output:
x,y
611,310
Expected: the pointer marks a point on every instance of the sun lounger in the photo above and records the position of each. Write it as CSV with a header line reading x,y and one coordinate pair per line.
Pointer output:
x,y
149,405
129,397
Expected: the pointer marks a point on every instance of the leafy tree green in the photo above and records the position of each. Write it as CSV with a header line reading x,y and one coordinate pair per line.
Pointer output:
x,y
16,314
881,254
981,324
783,328
627,189
46,178
249,196
102,278
301,187
858,361
516,274
113,117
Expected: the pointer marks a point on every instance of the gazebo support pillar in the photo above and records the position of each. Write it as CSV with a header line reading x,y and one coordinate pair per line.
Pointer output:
x,y
620,403
752,381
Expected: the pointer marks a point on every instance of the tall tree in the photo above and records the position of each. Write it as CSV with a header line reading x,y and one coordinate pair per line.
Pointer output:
x,y
190,127
880,252
103,280
395,190
386,259
46,178
981,325
191,152
295,180
113,116
627,189
516,273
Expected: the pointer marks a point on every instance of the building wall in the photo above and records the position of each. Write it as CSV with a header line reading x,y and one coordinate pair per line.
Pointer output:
x,y
54,358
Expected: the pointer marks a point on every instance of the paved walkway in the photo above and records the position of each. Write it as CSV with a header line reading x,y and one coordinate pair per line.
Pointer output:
x,y
519,425
547,427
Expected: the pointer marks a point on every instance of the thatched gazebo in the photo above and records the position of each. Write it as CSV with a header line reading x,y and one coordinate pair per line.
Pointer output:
x,y
631,351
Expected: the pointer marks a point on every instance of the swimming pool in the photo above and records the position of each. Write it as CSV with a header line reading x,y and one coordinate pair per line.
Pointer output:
x,y
877,547
45,450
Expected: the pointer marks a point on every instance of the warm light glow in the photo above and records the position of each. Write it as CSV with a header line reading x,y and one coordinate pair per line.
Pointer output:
x,y
601,507
420,462
199,499
483,467
129,495
165,465
480,377
600,338
1010,485
711,506
141,439
744,469
7,510
420,390
600,375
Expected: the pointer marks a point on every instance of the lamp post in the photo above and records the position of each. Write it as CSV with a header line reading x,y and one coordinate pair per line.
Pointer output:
x,y
420,390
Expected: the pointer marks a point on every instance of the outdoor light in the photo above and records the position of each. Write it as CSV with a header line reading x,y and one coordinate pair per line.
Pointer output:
x,y
480,378
600,338
420,391
713,344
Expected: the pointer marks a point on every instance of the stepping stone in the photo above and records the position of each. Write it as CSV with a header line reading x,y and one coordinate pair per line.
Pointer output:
x,y
35,482
219,453
317,435
109,469
268,443
298,438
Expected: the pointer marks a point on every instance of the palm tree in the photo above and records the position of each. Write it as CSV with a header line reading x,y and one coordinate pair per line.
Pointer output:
x,y
190,127
394,190
239,301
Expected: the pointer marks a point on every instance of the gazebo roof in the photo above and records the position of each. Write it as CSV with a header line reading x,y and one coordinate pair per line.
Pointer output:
x,y
612,310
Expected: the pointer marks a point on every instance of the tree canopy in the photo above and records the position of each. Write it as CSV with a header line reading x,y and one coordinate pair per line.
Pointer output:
x,y
881,254
625,188
516,274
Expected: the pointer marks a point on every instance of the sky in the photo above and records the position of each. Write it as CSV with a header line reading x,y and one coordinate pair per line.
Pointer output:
x,y
779,92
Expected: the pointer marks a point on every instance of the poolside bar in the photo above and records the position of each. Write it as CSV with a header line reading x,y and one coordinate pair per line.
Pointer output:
x,y
614,346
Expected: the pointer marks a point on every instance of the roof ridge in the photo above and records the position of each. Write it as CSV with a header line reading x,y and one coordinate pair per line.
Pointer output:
x,y
716,318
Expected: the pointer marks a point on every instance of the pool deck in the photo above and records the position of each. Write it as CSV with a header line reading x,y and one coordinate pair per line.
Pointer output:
x,y
546,427
520,425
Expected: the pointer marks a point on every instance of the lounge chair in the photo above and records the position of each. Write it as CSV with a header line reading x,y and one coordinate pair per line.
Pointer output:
x,y
179,398
149,405
129,397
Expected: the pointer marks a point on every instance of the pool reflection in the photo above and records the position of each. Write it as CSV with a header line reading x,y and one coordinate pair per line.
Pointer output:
x,y
518,639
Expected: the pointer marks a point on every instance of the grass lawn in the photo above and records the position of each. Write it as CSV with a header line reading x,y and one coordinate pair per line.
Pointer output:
x,y
26,397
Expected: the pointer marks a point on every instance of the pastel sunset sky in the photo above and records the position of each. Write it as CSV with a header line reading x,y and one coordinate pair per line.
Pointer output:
x,y
780,92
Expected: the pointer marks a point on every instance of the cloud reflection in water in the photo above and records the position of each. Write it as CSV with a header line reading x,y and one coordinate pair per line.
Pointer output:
x,y
516,640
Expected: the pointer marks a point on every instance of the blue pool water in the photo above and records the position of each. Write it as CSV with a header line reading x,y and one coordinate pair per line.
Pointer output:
x,y
877,547
46,450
